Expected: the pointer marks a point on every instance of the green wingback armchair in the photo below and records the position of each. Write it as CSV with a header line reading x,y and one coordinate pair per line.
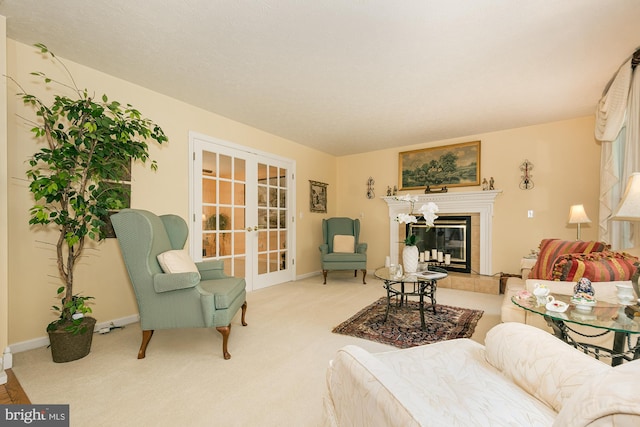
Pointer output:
x,y
352,255
204,298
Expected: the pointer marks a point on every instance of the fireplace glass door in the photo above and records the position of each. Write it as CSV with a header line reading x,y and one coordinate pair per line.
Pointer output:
x,y
450,235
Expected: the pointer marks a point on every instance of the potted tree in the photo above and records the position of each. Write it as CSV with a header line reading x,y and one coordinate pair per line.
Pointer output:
x,y
89,145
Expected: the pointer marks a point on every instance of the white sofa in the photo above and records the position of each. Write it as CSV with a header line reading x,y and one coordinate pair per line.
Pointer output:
x,y
523,376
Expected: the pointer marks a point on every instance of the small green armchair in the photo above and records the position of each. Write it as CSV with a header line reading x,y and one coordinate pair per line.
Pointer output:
x,y
201,297
342,249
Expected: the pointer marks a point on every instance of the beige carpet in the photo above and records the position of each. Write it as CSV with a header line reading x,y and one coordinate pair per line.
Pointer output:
x,y
275,376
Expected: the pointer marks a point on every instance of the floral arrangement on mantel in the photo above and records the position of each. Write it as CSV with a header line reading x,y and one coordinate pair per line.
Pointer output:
x,y
428,211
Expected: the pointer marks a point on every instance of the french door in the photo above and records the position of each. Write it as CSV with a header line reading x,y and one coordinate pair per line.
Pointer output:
x,y
241,203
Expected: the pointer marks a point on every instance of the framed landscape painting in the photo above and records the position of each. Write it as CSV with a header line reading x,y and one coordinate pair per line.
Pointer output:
x,y
455,165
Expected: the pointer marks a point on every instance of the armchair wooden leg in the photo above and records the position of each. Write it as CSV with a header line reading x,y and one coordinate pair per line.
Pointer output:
x,y
146,337
355,273
244,312
225,331
364,274
324,273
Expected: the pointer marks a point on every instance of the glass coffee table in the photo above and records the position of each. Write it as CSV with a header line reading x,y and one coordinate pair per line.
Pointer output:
x,y
606,316
420,284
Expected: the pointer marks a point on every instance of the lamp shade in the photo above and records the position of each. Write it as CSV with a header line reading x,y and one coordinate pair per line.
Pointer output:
x,y
629,207
577,215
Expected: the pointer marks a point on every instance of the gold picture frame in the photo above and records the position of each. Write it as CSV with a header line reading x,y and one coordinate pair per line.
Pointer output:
x,y
317,196
456,165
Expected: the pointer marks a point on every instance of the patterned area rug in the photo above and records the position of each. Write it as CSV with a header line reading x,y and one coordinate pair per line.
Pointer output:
x,y
402,328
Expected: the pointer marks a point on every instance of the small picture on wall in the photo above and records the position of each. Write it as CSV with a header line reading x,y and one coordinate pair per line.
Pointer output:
x,y
318,197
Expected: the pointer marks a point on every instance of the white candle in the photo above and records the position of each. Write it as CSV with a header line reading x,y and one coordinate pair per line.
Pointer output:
x,y
447,259
440,256
387,261
434,254
421,256
426,255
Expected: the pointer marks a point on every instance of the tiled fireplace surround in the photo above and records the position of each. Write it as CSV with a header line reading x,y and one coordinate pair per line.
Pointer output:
x,y
477,204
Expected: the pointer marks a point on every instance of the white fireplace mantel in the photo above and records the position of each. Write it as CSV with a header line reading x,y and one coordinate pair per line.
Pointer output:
x,y
480,202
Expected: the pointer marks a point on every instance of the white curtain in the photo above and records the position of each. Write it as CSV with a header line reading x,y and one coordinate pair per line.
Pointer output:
x,y
618,129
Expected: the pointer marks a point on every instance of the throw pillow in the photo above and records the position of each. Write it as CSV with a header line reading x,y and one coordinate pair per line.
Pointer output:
x,y
603,266
344,244
550,249
176,261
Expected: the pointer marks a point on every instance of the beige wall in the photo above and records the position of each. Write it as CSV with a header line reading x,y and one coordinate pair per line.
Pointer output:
x,y
32,272
566,162
561,175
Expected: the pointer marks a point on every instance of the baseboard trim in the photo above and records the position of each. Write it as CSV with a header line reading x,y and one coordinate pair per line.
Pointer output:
x,y
307,275
44,341
319,273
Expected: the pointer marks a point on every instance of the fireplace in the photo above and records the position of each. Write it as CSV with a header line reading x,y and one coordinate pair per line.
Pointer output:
x,y
450,236
479,204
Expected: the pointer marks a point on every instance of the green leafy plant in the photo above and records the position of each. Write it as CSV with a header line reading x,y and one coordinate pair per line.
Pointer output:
x,y
411,240
89,144
77,307
212,224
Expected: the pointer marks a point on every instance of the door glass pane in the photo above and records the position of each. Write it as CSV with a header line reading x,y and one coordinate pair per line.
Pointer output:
x,y
262,218
239,243
273,218
262,241
225,167
283,260
225,193
209,164
239,219
209,192
262,195
262,264
223,210
239,172
273,261
239,194
272,215
273,176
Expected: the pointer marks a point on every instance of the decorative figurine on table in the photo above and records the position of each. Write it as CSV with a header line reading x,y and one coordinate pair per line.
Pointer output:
x,y
491,182
583,295
388,190
584,286
395,190
485,184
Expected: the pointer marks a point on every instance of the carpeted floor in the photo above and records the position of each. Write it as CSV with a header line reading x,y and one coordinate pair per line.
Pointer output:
x,y
275,377
403,326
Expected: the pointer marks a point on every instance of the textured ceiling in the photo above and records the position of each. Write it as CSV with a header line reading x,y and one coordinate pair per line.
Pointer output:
x,y
350,76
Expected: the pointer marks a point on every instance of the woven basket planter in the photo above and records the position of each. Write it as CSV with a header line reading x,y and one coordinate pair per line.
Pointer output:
x,y
66,347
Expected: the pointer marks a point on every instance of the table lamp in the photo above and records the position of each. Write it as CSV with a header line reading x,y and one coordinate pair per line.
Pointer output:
x,y
629,208
577,215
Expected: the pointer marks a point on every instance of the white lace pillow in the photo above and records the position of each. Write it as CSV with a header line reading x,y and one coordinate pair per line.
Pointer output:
x,y
344,244
176,261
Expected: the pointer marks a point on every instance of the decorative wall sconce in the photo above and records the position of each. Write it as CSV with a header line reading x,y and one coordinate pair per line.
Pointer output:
x,y
527,182
370,193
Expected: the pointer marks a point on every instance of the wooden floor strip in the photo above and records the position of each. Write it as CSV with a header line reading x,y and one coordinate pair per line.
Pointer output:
x,y
12,392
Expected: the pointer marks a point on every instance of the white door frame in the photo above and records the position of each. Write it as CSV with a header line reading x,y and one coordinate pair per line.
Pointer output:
x,y
250,275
